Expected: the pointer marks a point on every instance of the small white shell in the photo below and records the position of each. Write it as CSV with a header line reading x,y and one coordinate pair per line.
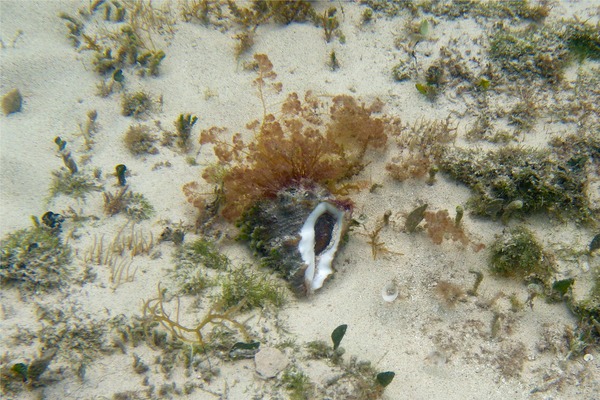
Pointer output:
x,y
588,357
390,292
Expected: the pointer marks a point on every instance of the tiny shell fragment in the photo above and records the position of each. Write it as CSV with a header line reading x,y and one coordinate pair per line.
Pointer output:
x,y
390,292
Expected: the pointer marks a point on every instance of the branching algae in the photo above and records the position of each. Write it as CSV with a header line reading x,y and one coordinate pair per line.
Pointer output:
x,y
155,310
298,146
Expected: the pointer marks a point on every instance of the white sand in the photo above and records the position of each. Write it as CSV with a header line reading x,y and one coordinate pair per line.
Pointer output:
x,y
436,351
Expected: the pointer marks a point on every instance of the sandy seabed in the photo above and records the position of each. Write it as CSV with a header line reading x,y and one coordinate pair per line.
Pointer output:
x,y
478,347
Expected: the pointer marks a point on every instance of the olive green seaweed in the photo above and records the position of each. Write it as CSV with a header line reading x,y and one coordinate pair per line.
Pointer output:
x,y
77,337
140,140
588,311
77,185
201,253
297,383
256,289
19,376
133,205
414,218
518,253
516,180
136,104
184,125
192,262
120,171
35,259
496,9
385,378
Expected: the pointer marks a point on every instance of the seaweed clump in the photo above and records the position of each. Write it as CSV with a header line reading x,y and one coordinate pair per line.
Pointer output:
x,y
35,259
517,253
523,9
247,17
583,40
588,310
282,12
77,337
358,379
254,289
134,205
77,185
530,52
421,147
136,104
139,140
191,263
298,146
539,179
70,180
130,46
544,51
18,376
259,12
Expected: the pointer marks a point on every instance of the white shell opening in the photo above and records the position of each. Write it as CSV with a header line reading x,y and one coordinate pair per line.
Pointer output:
x,y
319,266
389,292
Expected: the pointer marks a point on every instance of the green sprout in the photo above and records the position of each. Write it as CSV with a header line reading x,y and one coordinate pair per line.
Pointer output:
x,y
427,90
184,125
337,335
150,61
385,378
120,171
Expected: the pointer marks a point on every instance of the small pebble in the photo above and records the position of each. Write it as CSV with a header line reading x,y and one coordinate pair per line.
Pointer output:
x,y
11,102
269,362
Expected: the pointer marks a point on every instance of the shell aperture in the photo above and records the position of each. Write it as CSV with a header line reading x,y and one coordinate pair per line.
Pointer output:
x,y
319,263
297,234
323,230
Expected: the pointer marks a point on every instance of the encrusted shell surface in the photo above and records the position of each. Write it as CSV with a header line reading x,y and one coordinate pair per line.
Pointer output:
x,y
278,233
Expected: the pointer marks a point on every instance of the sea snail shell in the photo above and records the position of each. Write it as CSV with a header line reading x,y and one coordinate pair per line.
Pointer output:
x,y
298,234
